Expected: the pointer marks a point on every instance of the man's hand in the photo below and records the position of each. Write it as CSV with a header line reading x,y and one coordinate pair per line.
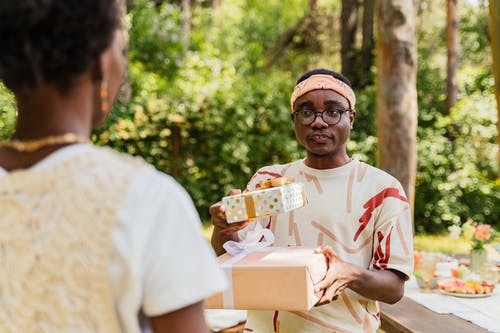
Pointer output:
x,y
381,285
224,231
338,276
218,214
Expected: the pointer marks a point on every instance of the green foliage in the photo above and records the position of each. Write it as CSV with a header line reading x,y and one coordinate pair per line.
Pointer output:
x,y
473,34
218,115
155,30
7,112
457,169
212,119
212,107
363,141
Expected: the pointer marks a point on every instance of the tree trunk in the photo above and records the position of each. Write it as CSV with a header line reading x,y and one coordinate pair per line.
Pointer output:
x,y
366,57
186,22
125,89
176,130
176,140
397,95
495,50
313,5
349,22
452,47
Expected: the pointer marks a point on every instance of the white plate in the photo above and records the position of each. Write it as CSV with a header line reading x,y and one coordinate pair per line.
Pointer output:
x,y
465,295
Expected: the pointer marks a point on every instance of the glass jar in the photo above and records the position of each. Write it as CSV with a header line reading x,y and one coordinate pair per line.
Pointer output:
x,y
489,273
477,259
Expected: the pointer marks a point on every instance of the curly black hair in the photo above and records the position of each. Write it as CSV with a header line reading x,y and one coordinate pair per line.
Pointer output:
x,y
336,75
52,41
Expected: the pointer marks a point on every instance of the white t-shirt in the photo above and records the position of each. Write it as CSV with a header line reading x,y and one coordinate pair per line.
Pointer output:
x,y
363,214
160,261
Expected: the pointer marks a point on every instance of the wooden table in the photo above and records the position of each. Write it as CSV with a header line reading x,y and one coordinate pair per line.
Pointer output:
x,y
407,316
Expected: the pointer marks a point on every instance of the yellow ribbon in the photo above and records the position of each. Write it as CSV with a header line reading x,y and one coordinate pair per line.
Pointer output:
x,y
275,182
249,204
268,183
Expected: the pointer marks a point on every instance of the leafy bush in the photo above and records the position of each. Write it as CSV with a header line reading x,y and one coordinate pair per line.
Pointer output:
x,y
457,167
7,112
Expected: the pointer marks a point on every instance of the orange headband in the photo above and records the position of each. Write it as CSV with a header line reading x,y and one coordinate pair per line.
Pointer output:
x,y
323,81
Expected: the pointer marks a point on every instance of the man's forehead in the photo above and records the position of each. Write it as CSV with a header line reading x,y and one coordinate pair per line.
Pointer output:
x,y
324,96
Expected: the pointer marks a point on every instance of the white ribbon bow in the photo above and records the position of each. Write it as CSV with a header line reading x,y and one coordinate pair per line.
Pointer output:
x,y
254,241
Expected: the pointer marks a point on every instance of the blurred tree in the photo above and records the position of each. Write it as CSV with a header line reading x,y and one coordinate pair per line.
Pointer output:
x,y
495,50
175,129
396,92
186,22
366,56
452,47
357,60
349,24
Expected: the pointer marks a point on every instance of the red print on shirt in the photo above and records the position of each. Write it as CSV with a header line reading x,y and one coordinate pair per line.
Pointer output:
x,y
375,202
381,259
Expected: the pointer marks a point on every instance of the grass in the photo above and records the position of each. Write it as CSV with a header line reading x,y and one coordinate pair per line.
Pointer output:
x,y
444,244
441,243
207,228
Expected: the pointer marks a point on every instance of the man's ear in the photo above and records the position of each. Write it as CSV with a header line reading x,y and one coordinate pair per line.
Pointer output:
x,y
352,116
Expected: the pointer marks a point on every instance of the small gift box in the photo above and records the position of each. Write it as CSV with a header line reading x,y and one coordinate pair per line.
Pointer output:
x,y
275,196
273,278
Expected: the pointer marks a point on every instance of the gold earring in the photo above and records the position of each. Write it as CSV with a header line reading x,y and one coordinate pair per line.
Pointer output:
x,y
104,97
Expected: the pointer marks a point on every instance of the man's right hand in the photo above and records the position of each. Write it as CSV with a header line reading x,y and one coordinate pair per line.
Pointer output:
x,y
224,231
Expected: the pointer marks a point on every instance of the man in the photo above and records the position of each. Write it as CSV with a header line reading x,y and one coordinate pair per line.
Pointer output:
x,y
357,214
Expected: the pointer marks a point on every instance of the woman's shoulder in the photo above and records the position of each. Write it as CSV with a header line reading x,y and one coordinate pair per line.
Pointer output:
x,y
109,155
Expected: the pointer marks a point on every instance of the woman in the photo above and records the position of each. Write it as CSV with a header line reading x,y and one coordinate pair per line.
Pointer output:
x,y
90,239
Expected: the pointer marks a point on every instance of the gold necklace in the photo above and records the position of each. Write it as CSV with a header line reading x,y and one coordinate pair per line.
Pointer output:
x,y
36,144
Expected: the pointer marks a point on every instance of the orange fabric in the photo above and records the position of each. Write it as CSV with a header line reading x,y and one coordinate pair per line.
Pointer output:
x,y
323,81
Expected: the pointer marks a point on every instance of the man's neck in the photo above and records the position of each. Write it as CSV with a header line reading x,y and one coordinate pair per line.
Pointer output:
x,y
326,162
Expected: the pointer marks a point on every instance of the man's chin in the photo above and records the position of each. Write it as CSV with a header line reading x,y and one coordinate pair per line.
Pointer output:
x,y
321,152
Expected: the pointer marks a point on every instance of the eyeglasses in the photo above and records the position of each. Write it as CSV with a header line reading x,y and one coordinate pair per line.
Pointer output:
x,y
330,116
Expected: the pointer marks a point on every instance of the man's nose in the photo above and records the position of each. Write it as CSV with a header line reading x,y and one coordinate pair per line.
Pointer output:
x,y
318,121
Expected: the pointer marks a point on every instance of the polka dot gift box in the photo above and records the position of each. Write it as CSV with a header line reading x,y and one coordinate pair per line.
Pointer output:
x,y
278,195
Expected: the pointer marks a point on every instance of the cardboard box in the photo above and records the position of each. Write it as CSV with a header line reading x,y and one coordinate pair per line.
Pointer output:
x,y
274,278
265,202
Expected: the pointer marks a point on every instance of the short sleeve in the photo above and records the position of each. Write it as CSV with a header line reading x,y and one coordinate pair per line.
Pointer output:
x,y
166,262
393,243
